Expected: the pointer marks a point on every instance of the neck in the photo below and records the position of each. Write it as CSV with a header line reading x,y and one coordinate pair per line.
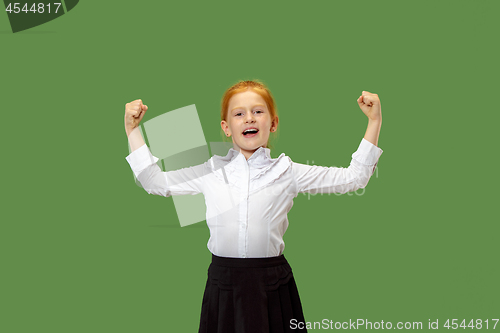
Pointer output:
x,y
246,153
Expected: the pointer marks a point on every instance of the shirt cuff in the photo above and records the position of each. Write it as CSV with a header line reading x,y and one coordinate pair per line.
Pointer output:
x,y
140,159
367,153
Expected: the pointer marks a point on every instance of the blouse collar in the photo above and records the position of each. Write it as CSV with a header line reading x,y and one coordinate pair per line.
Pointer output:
x,y
263,170
261,157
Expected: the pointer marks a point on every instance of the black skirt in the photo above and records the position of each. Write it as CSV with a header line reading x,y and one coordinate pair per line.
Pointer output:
x,y
250,295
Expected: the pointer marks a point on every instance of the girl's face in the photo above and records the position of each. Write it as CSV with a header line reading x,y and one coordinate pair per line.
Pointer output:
x,y
248,110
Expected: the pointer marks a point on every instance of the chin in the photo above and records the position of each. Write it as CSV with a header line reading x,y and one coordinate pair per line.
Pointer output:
x,y
252,148
249,146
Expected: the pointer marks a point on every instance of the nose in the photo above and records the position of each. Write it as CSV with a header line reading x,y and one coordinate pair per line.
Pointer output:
x,y
250,117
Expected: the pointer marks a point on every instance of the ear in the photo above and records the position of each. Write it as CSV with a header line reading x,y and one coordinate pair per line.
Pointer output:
x,y
225,128
274,124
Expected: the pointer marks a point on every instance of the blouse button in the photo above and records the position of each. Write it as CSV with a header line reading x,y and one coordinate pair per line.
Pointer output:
x,y
243,256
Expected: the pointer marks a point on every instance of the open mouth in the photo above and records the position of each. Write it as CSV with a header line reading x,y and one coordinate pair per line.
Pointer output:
x,y
250,132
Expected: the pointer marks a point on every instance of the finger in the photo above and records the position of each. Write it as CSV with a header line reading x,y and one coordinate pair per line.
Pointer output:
x,y
134,111
367,93
366,100
136,103
141,116
138,114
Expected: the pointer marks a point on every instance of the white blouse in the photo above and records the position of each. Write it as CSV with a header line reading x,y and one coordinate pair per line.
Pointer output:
x,y
248,200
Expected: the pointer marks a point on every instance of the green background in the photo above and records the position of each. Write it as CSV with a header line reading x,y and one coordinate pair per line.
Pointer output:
x,y
84,249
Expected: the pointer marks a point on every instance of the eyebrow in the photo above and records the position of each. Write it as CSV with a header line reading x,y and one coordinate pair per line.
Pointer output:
x,y
242,107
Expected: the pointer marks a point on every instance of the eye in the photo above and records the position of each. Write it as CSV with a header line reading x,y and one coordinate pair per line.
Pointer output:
x,y
259,111
238,114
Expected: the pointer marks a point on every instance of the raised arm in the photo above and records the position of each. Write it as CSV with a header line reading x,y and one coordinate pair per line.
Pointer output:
x,y
154,181
134,112
144,164
370,105
319,179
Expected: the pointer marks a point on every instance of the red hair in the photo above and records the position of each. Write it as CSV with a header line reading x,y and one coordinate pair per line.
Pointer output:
x,y
242,86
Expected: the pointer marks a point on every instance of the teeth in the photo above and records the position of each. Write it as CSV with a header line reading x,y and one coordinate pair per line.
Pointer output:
x,y
250,130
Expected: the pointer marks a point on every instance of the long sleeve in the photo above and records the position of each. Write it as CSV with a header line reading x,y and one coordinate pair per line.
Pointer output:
x,y
320,179
154,181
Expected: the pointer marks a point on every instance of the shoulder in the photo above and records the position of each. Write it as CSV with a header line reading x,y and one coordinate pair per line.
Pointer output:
x,y
216,161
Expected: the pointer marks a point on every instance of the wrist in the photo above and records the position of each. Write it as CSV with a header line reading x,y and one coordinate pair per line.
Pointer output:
x,y
129,130
377,121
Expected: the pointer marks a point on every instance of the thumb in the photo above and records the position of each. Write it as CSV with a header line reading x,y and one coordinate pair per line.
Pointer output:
x,y
143,112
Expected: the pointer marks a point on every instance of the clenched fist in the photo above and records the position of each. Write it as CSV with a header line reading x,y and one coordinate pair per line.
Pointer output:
x,y
370,105
134,111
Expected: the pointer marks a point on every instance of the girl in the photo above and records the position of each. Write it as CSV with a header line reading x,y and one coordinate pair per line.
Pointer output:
x,y
250,286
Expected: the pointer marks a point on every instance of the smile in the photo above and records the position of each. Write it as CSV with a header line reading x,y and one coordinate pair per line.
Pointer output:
x,y
250,132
